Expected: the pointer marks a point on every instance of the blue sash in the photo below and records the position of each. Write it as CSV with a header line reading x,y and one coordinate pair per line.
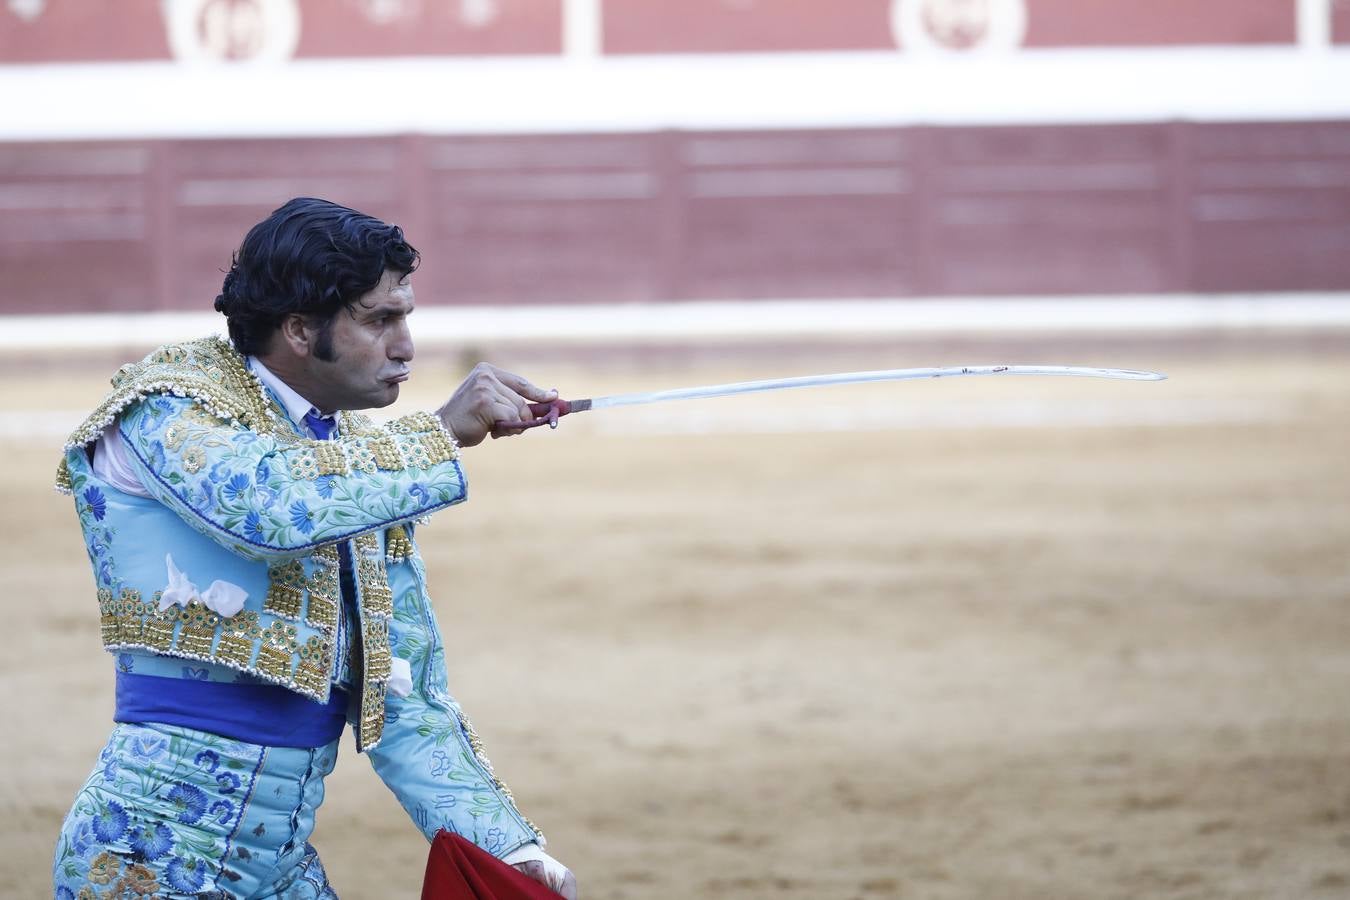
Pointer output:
x,y
266,714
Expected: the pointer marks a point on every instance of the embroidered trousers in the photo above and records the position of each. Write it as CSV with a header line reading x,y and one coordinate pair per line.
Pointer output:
x,y
173,812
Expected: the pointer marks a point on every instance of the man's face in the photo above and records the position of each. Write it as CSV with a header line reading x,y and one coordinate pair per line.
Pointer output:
x,y
368,347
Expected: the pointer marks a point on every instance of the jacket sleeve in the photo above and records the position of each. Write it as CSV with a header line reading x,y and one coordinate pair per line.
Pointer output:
x,y
272,498
429,755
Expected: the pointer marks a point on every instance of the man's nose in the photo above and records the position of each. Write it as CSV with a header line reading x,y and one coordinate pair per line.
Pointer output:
x,y
401,348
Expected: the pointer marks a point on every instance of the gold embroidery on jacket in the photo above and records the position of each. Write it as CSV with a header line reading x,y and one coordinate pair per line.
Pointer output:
x,y
197,631
236,640
278,648
311,675
330,458
325,593
397,545
285,589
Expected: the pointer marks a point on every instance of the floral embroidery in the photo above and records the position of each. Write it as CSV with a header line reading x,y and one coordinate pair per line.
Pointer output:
x,y
304,465
189,801
110,822
139,880
236,488
104,868
174,838
193,460
185,875
149,746
151,841
301,517
97,505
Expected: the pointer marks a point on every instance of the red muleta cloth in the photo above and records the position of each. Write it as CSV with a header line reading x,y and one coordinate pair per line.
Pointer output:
x,y
461,870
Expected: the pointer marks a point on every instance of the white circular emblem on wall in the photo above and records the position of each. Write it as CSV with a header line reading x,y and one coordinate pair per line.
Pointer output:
x,y
385,12
232,30
947,26
28,10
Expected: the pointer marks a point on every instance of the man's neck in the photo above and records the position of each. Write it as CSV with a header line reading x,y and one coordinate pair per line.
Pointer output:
x,y
295,403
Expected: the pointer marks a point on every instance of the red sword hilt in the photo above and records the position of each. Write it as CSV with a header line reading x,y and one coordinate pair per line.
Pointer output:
x,y
544,414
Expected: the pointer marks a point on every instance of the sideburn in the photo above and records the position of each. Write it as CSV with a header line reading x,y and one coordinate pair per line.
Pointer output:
x,y
323,342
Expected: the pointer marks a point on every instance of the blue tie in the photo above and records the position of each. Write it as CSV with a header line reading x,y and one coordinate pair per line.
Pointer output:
x,y
322,426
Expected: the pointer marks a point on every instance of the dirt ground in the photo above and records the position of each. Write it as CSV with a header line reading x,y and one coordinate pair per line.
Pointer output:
x,y
961,639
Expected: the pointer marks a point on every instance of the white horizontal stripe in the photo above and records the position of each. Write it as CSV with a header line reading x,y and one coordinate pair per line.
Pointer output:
x,y
557,94
745,321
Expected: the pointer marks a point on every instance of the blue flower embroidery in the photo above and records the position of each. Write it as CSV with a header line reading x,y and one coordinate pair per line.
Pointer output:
x,y
222,811
83,837
264,471
418,492
186,875
148,746
494,841
64,893
440,763
228,782
219,472
110,822
156,461
207,759
189,800
192,674
110,770
97,505
151,840
324,486
236,487
253,528
301,517
125,662
203,499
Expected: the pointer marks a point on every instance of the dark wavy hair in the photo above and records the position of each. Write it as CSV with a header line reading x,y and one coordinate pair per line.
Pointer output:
x,y
310,257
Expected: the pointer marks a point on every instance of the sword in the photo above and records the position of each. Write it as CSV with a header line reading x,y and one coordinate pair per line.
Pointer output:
x,y
550,413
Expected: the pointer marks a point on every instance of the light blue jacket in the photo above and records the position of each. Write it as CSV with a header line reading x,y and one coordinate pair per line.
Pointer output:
x,y
245,506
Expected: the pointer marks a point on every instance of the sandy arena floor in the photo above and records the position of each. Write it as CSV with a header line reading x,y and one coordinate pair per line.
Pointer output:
x,y
964,639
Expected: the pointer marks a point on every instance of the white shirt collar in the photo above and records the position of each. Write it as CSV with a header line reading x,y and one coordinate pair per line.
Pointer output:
x,y
296,406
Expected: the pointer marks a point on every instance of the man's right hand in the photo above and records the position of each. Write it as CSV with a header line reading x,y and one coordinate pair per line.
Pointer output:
x,y
487,396
532,861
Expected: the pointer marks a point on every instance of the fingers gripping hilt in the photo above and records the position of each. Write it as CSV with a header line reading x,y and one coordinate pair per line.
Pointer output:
x,y
544,414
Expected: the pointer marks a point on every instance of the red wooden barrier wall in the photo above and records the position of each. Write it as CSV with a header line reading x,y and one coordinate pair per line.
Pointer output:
x,y
142,225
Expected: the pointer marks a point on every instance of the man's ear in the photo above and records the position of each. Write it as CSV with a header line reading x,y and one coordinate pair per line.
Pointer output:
x,y
295,332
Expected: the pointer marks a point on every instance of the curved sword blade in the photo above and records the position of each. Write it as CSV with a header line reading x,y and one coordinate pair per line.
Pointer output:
x,y
801,381
549,413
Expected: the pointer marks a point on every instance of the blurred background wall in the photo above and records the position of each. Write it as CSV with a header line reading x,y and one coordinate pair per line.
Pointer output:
x,y
557,151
